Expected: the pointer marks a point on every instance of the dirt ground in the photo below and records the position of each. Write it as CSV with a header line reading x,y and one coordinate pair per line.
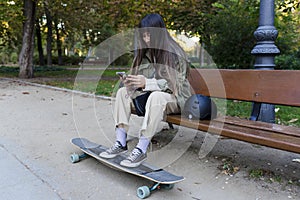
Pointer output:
x,y
37,123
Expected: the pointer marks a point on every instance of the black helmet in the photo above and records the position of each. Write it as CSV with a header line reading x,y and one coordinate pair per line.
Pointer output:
x,y
201,107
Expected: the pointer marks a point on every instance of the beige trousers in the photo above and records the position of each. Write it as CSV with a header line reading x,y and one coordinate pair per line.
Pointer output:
x,y
158,105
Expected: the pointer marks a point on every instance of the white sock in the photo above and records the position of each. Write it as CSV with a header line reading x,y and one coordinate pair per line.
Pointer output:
x,y
143,144
121,136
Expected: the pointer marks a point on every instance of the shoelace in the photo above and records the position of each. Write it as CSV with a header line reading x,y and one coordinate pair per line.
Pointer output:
x,y
115,147
135,153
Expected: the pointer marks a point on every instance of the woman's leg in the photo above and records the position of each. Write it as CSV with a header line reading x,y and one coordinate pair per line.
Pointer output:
x,y
158,104
122,109
121,114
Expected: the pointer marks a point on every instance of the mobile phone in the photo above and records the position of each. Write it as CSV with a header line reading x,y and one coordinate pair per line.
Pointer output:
x,y
121,74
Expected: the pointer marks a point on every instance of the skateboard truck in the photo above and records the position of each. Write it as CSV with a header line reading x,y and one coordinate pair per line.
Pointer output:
x,y
145,191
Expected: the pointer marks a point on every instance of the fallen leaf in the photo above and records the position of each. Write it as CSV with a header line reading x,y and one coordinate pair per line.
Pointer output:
x,y
293,120
236,169
296,160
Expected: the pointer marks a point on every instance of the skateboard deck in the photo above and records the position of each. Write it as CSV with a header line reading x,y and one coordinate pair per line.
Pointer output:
x,y
160,177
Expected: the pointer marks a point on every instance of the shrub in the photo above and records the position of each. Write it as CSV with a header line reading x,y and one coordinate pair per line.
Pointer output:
x,y
288,61
67,60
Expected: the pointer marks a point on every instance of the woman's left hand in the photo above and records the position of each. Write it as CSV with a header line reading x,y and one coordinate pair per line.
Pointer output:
x,y
137,81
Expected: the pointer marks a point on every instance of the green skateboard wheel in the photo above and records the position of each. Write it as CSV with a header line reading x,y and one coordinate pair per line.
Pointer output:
x,y
143,192
74,158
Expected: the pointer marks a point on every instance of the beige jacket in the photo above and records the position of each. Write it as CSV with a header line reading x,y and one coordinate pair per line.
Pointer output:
x,y
155,83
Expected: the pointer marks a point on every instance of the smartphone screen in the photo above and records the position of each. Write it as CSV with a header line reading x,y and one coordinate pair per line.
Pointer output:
x,y
121,74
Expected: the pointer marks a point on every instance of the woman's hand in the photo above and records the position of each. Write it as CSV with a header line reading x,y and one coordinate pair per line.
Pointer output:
x,y
136,81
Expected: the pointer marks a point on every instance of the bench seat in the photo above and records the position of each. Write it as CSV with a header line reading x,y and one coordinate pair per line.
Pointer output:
x,y
262,133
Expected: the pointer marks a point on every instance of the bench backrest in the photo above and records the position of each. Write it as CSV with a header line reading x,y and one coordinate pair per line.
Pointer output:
x,y
266,86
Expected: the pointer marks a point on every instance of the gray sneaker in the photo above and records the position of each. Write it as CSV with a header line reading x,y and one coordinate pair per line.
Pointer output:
x,y
134,159
113,151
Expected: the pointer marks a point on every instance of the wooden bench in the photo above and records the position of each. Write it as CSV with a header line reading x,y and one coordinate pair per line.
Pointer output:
x,y
278,87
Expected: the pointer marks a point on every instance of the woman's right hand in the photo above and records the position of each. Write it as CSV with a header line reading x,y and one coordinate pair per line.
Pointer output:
x,y
136,81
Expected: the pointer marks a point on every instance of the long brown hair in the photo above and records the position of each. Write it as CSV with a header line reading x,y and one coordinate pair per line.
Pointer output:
x,y
163,50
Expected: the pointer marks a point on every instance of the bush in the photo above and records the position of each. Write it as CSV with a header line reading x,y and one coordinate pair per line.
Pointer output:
x,y
71,60
67,60
124,60
232,37
6,69
46,69
288,61
14,58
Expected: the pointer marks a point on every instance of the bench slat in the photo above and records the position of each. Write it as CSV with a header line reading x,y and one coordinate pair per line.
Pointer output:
x,y
244,133
282,129
267,86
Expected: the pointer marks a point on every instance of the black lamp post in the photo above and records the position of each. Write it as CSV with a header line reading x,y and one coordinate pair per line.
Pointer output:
x,y
265,52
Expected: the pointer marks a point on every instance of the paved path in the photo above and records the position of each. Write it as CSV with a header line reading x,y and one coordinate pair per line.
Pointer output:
x,y
37,123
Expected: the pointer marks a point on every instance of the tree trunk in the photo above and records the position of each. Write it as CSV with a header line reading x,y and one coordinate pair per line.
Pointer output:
x,y
58,44
49,36
39,43
26,54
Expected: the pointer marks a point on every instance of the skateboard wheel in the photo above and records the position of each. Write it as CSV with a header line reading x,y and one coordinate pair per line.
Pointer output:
x,y
74,158
167,186
143,192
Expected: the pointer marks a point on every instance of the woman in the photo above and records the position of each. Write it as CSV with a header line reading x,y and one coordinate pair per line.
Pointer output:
x,y
160,68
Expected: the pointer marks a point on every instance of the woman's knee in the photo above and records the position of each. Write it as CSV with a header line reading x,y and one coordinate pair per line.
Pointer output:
x,y
156,98
121,92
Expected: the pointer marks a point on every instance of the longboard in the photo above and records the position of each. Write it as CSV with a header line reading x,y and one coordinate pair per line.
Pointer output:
x,y
160,177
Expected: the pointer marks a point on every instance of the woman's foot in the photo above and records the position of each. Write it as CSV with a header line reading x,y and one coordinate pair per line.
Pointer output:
x,y
135,158
113,151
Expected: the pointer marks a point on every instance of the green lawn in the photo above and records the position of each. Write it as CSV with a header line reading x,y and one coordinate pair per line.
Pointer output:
x,y
285,115
70,79
105,82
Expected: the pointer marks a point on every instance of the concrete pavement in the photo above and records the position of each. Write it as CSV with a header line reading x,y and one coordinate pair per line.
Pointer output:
x,y
36,124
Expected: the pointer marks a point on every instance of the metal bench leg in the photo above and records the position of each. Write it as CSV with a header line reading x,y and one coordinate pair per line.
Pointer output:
x,y
170,125
255,111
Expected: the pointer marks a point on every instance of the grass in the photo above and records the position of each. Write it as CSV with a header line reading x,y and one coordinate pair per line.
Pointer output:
x,y
227,167
103,87
60,76
285,115
6,71
256,173
65,78
266,175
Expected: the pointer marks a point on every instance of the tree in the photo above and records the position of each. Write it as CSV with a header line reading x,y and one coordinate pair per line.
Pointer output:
x,y
231,33
26,54
11,17
83,26
225,26
39,42
193,17
49,32
287,23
